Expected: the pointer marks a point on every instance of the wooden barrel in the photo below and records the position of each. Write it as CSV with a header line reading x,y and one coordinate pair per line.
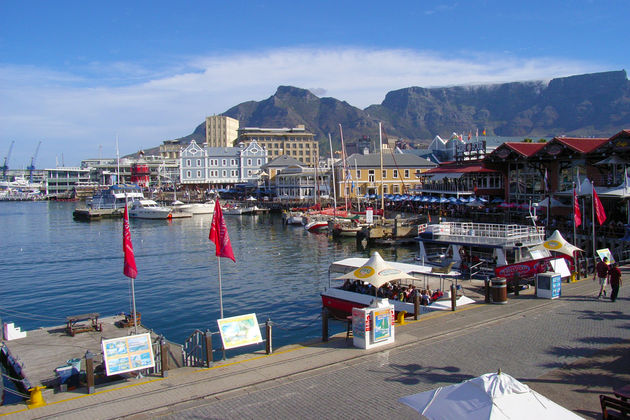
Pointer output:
x,y
498,290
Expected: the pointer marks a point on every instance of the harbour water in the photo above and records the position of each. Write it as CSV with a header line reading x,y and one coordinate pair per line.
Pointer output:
x,y
53,266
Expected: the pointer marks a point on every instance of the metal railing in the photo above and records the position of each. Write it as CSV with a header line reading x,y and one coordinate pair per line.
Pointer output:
x,y
488,233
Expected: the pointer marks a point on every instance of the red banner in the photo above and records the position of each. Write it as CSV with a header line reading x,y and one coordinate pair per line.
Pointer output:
x,y
523,269
129,269
577,215
219,234
599,209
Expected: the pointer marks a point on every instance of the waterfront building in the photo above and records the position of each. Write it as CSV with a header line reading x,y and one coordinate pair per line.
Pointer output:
x,y
65,181
296,142
221,131
298,182
401,172
222,166
170,149
106,171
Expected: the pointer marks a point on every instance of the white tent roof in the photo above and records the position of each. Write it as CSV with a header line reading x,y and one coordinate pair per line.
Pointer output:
x,y
489,396
557,243
554,203
376,272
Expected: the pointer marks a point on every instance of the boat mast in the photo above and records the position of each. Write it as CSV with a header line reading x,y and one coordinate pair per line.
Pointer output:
x,y
345,169
357,187
380,141
332,169
117,162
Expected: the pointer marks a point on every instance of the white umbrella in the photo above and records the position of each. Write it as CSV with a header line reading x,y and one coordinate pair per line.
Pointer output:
x,y
376,272
489,396
554,203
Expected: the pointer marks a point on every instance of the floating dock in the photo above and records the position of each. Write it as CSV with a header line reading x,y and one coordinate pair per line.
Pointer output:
x,y
90,214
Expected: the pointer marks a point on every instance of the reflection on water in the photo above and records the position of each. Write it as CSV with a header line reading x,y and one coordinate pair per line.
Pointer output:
x,y
53,267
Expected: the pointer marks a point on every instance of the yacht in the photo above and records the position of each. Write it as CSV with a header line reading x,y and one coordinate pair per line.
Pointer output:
x,y
148,209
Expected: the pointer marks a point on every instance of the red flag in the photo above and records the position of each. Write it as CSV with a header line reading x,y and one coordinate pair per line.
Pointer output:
x,y
129,268
219,234
599,209
577,215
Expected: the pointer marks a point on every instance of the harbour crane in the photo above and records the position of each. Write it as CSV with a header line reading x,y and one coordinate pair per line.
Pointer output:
x,y
5,166
31,167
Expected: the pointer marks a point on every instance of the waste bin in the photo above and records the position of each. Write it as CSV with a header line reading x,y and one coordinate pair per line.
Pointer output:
x,y
498,290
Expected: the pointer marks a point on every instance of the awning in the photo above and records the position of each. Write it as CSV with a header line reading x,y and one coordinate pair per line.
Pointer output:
x,y
451,175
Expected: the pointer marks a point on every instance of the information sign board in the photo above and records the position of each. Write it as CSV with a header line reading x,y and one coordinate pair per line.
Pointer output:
x,y
126,354
239,331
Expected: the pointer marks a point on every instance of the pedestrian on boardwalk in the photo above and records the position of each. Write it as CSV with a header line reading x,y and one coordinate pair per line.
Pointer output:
x,y
601,272
614,275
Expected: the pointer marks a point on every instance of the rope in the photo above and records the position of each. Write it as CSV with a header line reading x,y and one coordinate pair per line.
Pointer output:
x,y
28,315
13,379
20,394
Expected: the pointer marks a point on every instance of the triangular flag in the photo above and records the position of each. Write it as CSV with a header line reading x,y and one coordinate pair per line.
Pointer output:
x,y
599,209
577,215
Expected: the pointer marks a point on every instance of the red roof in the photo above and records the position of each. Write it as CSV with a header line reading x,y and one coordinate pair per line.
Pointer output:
x,y
525,149
581,144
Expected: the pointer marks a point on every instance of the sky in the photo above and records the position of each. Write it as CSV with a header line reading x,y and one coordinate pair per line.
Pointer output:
x,y
77,75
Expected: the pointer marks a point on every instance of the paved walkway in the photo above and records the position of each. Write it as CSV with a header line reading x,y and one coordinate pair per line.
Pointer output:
x,y
570,350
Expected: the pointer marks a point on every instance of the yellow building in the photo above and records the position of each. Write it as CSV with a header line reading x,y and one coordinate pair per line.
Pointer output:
x,y
363,175
221,131
293,142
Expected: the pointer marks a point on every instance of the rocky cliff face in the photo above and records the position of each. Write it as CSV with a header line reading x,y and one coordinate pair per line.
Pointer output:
x,y
585,105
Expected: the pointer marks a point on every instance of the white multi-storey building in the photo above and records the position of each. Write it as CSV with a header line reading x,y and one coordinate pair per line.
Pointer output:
x,y
221,165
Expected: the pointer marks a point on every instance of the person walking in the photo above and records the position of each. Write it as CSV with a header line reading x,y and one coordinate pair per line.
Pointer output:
x,y
614,275
601,273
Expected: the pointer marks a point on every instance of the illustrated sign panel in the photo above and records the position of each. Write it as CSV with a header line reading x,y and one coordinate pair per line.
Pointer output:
x,y
239,331
605,253
382,325
126,354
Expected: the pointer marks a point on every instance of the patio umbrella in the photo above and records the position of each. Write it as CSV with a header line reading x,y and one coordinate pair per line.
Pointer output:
x,y
443,200
489,396
376,271
612,160
497,200
554,203
426,199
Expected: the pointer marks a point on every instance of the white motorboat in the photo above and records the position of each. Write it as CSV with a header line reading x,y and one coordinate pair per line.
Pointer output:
x,y
148,209
238,210
198,208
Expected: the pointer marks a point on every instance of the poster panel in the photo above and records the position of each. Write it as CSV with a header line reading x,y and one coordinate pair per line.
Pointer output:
x,y
382,325
126,354
239,331
605,252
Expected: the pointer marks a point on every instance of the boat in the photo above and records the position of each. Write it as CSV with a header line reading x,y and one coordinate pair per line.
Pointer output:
x,y
237,210
316,223
115,197
392,231
198,208
339,299
148,209
477,249
295,218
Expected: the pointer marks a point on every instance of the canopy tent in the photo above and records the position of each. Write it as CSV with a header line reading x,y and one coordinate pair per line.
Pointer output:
x,y
489,396
376,272
557,243
612,160
554,203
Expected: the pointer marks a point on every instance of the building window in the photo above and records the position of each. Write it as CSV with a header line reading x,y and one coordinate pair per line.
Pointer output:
x,y
233,162
224,162
249,162
395,173
188,174
198,174
371,175
198,162
258,162
406,173
358,174
188,162
224,174
384,175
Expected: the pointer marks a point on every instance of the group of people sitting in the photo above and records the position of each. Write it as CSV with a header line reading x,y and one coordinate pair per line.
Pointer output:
x,y
394,291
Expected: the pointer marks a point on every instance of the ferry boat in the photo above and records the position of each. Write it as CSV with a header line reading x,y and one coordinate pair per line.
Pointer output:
x,y
339,300
115,197
479,249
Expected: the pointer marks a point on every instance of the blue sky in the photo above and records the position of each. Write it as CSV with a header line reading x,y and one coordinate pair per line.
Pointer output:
x,y
78,74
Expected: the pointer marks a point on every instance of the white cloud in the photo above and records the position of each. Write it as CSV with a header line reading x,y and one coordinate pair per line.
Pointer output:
x,y
73,113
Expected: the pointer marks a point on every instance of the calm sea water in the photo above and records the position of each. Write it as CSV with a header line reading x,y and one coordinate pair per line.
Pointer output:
x,y
52,266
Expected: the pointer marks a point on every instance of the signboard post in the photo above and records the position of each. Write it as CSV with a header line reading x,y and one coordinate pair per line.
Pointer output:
x,y
369,215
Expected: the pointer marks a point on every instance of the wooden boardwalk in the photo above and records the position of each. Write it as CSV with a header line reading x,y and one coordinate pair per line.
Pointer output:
x,y
45,349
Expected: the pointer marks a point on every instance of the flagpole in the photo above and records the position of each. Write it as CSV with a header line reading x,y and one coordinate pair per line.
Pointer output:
x,y
593,217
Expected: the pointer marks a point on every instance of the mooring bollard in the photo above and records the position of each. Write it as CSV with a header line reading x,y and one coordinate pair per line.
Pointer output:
x,y
453,297
208,338
89,371
324,324
268,325
164,356
416,305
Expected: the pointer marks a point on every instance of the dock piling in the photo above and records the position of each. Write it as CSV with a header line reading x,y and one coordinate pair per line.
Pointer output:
x,y
208,338
324,324
268,342
164,356
416,305
453,297
89,371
